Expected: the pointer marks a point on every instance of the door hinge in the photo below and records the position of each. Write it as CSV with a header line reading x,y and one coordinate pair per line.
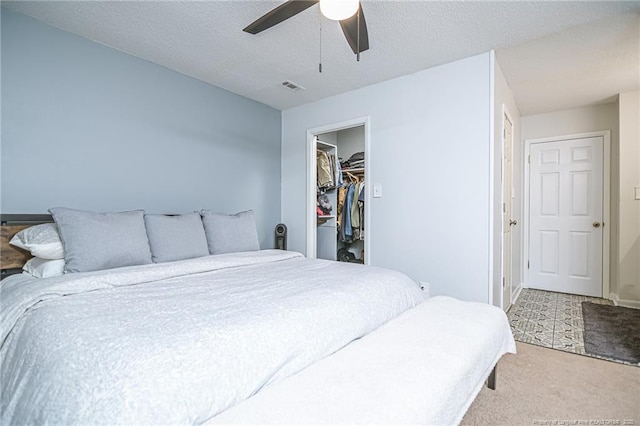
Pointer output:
x,y
528,264
504,282
529,159
504,208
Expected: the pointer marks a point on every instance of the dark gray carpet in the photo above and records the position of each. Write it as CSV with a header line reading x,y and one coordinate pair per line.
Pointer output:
x,y
612,331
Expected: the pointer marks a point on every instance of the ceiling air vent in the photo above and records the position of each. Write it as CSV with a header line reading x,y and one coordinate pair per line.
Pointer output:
x,y
291,85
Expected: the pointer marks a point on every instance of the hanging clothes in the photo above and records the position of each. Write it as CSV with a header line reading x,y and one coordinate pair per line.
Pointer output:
x,y
339,179
342,195
361,210
332,170
346,226
324,173
355,212
350,209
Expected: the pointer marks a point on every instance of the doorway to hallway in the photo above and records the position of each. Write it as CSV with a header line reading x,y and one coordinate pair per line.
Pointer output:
x,y
567,214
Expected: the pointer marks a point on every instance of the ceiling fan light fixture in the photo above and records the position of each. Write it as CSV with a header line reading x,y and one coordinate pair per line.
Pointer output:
x,y
339,10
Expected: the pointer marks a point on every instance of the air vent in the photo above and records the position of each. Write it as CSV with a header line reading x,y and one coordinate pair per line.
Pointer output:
x,y
292,86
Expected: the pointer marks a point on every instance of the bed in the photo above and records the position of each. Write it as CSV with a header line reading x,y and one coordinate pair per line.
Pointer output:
x,y
259,336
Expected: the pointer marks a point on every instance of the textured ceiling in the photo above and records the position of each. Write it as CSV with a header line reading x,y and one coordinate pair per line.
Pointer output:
x,y
584,65
555,55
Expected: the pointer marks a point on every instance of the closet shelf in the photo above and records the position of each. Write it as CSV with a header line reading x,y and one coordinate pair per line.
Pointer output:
x,y
358,170
324,218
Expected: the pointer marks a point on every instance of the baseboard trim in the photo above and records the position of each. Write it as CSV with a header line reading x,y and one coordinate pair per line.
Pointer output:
x,y
516,294
624,302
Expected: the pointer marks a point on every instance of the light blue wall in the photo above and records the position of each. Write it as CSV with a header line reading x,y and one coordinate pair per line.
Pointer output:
x,y
430,146
90,127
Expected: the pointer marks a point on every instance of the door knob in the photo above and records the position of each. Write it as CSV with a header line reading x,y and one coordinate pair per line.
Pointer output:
x,y
513,222
596,224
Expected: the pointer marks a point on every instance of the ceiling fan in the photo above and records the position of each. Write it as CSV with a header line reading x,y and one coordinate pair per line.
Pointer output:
x,y
348,12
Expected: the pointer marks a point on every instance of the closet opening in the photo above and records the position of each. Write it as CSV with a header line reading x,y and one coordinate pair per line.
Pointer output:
x,y
338,192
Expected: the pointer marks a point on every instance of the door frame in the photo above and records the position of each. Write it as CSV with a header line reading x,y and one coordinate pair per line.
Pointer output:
x,y
505,304
311,237
606,201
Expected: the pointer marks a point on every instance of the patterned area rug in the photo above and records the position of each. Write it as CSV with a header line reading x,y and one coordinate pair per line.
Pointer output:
x,y
552,320
612,331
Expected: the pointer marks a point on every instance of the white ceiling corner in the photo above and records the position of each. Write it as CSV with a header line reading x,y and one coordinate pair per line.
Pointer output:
x,y
555,54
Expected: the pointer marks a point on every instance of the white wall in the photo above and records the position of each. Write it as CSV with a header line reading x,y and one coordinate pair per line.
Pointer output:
x,y
329,137
430,150
584,120
350,141
504,100
571,121
628,286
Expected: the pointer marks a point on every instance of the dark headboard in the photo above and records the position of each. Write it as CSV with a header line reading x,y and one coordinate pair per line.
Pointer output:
x,y
12,258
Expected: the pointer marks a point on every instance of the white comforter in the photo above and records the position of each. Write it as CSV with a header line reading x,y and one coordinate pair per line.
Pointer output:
x,y
423,368
180,342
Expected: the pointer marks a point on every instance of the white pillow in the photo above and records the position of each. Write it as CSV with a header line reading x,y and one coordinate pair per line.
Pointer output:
x,y
44,268
42,241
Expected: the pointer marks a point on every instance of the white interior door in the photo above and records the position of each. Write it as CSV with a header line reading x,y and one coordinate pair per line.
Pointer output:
x,y
566,213
507,221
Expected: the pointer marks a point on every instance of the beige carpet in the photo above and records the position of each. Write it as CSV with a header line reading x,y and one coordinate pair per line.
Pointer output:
x,y
546,386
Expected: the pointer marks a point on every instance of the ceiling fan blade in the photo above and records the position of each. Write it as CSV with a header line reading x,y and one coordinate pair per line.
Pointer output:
x,y
279,14
350,30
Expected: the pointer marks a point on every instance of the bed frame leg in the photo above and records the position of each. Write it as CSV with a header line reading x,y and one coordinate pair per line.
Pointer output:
x,y
492,378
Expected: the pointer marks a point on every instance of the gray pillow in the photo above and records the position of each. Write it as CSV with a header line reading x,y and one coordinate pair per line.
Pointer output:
x,y
176,237
230,233
95,241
